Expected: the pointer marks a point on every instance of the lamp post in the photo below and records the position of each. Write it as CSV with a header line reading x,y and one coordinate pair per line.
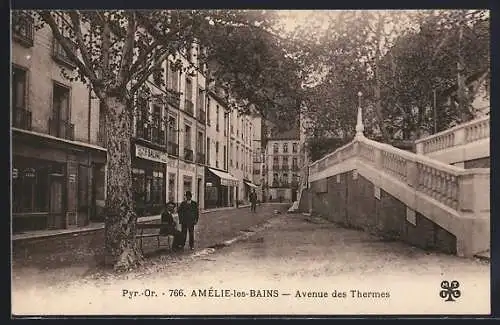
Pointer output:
x,y
359,123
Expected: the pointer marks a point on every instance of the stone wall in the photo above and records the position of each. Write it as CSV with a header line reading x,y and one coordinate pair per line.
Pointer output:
x,y
352,201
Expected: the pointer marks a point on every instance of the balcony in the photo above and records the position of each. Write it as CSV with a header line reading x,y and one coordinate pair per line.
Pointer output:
x,y
294,184
158,136
61,129
173,98
295,168
142,131
200,158
59,54
202,116
189,107
276,167
172,148
188,154
21,118
285,167
23,29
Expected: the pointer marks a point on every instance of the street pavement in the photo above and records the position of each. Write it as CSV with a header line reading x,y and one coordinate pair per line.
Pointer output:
x,y
290,264
55,260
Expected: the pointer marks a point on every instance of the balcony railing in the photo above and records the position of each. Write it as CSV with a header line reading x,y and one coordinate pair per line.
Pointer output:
x,y
23,29
294,184
21,118
200,158
188,154
189,107
173,98
202,117
60,55
172,148
61,129
295,168
285,167
465,133
276,167
158,136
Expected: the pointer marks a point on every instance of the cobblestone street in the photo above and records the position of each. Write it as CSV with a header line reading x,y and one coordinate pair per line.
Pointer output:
x,y
299,257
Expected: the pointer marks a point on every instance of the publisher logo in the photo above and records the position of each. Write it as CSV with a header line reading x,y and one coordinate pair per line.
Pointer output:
x,y
450,291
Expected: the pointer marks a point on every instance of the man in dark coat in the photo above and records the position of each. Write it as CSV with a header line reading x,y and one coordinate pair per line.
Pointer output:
x,y
188,218
253,201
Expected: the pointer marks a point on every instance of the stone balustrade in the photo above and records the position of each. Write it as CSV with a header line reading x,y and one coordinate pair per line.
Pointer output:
x,y
457,188
465,133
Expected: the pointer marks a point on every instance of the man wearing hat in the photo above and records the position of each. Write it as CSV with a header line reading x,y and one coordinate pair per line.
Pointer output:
x,y
188,218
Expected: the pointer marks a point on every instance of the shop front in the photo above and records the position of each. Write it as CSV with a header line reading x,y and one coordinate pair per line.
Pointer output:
x,y
218,187
149,179
54,184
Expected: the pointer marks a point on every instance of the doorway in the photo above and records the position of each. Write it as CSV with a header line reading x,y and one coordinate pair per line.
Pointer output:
x,y
198,191
56,214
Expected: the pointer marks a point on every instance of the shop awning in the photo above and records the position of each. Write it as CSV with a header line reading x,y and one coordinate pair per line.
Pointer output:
x,y
251,184
226,179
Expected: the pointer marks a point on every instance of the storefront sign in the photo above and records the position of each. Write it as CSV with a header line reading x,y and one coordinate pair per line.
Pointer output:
x,y
29,173
150,154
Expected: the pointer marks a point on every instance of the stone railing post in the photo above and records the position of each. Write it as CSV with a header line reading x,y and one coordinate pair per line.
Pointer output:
x,y
378,158
411,173
459,137
474,192
420,148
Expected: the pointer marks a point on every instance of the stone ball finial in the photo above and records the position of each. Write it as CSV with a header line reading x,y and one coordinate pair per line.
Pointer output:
x,y
360,94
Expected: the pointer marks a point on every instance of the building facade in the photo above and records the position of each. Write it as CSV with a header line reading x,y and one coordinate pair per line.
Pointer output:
x,y
58,166
184,139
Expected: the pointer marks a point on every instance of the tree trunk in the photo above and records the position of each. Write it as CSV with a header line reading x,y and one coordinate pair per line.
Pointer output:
x,y
120,222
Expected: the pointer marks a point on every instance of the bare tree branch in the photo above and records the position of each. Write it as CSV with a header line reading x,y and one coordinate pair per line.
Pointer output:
x,y
147,72
128,50
75,19
71,52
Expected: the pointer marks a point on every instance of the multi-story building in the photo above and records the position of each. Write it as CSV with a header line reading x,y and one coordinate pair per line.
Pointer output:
x,y
58,134
58,168
241,149
284,162
259,154
220,185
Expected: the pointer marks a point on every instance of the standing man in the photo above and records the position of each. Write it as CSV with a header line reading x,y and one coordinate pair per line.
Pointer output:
x,y
188,218
253,200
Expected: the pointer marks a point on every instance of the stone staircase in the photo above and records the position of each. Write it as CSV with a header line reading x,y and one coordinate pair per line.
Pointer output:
x,y
438,197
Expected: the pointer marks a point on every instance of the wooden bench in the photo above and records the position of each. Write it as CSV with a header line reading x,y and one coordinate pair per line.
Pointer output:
x,y
141,235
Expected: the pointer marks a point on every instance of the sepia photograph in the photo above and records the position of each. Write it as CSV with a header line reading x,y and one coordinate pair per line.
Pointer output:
x,y
210,162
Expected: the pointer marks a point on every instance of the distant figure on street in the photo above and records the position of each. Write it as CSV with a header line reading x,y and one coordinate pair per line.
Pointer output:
x,y
169,226
188,218
253,201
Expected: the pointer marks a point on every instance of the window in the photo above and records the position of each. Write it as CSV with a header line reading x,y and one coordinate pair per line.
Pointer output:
x,y
187,136
294,162
275,177
208,111
237,156
217,118
295,147
139,184
225,157
157,188
225,124
59,123
199,144
171,187
157,135
231,153
23,28
21,117
285,161
173,81
208,151
217,154
172,145
31,184
276,161
188,101
285,147
285,178
275,148
188,184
